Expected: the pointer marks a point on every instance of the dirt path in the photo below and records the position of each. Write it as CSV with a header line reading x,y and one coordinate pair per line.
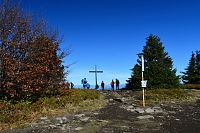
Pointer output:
x,y
122,116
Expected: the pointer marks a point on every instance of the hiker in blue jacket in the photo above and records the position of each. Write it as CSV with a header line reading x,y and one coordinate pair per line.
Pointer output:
x,y
84,82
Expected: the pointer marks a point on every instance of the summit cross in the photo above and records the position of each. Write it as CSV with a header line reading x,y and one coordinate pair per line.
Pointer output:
x,y
95,71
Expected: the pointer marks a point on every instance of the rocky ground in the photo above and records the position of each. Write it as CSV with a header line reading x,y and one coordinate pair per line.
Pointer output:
x,y
122,115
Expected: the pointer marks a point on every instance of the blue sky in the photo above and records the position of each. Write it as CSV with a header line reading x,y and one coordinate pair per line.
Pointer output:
x,y
109,33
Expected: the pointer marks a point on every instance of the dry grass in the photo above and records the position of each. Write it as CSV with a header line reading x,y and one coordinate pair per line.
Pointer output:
x,y
15,115
158,96
192,86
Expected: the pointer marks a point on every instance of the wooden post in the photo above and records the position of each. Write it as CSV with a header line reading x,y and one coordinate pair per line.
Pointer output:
x,y
140,55
143,98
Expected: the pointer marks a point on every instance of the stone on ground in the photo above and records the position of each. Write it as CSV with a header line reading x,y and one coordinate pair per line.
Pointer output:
x,y
80,115
78,128
149,110
85,119
139,110
145,117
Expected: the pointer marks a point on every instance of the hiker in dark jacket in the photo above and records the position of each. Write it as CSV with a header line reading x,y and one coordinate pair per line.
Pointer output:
x,y
117,84
102,85
112,83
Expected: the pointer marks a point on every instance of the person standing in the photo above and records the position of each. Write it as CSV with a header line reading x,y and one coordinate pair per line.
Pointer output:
x,y
71,85
88,86
84,82
112,83
102,85
117,84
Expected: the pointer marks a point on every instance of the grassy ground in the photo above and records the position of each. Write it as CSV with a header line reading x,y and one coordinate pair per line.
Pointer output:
x,y
13,115
169,95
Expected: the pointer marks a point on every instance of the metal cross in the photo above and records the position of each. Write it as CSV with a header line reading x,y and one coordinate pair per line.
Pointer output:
x,y
95,71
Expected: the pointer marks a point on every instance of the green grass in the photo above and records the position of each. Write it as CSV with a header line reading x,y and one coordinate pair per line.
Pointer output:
x,y
12,115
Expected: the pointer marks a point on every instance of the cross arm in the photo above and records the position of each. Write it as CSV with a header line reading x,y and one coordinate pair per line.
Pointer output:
x,y
96,71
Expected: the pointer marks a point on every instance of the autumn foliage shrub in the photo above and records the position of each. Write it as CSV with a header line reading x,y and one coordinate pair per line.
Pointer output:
x,y
30,58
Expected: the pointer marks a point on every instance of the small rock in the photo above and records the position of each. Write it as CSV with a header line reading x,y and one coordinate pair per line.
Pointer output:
x,y
123,99
64,118
85,119
78,128
149,110
177,119
95,113
110,100
80,115
139,110
133,104
156,107
43,118
58,124
52,126
130,107
123,126
104,121
145,117
157,110
58,118
61,121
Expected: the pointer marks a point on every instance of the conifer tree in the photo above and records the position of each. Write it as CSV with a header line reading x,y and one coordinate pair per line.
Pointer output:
x,y
192,72
197,67
135,78
158,67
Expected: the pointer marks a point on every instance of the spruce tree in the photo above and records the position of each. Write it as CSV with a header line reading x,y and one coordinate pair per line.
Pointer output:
x,y
192,72
189,74
158,66
134,81
197,67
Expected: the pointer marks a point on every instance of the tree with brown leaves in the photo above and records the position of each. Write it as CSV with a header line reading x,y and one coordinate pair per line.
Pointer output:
x,y
30,58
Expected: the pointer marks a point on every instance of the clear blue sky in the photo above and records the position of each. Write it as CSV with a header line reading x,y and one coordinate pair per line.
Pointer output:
x,y
109,33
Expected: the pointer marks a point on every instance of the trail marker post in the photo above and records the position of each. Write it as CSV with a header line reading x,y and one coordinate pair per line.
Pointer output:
x,y
143,82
